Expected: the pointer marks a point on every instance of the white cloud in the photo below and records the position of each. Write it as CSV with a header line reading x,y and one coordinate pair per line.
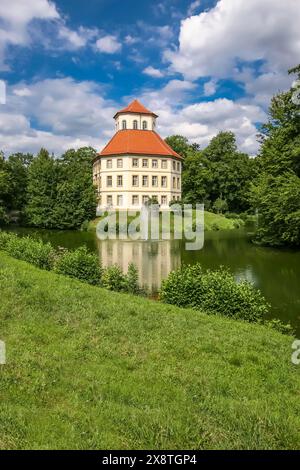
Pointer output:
x,y
76,39
67,113
153,72
194,7
130,40
15,17
215,42
210,87
108,44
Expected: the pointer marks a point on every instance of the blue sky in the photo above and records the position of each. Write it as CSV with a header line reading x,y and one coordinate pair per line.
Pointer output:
x,y
203,66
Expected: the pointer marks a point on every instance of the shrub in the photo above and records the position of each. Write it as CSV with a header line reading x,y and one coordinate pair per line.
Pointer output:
x,y
214,292
27,249
132,280
114,279
79,264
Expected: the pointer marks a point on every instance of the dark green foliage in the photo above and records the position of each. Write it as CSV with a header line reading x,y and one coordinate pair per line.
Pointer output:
x,y
79,264
114,279
218,173
42,194
214,292
132,280
276,193
278,200
76,197
27,249
60,191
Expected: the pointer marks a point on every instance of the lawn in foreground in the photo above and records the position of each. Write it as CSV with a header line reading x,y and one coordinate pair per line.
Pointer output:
x,y
91,369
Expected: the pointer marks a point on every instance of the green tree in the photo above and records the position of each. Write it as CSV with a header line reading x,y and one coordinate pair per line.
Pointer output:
x,y
76,196
180,144
42,190
276,193
18,167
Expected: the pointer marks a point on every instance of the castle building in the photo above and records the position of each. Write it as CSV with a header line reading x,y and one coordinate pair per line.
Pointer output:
x,y
136,164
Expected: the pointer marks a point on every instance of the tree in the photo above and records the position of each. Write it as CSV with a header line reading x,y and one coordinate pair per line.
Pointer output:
x,y
76,196
42,190
18,167
180,145
276,193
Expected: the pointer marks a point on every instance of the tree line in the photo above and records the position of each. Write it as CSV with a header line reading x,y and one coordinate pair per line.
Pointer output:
x,y
47,192
50,192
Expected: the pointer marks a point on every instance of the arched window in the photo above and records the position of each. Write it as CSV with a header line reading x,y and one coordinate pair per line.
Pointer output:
x,y
144,125
135,124
124,126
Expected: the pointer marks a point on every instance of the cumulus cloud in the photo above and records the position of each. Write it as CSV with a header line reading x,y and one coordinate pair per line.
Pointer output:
x,y
108,44
215,42
153,72
66,114
15,17
210,87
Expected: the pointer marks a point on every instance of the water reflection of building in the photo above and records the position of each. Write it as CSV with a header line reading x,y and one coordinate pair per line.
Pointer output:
x,y
154,259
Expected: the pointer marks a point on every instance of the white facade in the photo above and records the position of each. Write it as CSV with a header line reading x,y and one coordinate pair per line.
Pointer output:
x,y
126,181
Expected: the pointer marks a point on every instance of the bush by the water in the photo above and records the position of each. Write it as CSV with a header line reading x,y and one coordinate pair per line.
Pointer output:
x,y
28,249
79,264
214,292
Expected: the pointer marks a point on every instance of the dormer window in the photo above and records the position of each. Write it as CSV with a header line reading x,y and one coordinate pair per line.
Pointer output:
x,y
124,126
144,125
135,124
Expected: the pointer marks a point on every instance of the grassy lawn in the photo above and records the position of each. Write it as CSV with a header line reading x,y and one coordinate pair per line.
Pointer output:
x,y
91,369
211,222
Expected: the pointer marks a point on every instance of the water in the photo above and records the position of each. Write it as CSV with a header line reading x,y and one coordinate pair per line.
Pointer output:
x,y
275,272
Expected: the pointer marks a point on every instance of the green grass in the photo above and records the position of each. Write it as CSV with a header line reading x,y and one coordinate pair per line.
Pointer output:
x,y
91,369
211,222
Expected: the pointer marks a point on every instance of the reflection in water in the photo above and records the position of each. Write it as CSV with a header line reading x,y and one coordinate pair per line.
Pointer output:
x,y
275,272
154,259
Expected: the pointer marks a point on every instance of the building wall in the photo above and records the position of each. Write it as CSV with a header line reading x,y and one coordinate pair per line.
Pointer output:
x,y
121,169
140,118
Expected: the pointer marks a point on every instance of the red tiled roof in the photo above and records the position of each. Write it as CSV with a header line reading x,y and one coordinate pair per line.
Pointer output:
x,y
138,142
135,107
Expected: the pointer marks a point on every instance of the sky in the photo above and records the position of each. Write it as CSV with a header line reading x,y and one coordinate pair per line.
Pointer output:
x,y
203,66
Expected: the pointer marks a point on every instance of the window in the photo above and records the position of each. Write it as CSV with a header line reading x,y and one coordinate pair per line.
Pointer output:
x,y
135,200
109,181
120,163
100,181
120,200
178,183
164,181
178,166
164,164
135,124
124,125
154,163
145,163
135,162
119,180
109,200
164,200
144,125
108,163
155,199
145,180
174,166
135,180
145,199
154,180
174,182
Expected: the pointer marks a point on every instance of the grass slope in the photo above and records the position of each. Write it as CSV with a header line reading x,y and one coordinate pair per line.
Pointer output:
x,y
91,369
